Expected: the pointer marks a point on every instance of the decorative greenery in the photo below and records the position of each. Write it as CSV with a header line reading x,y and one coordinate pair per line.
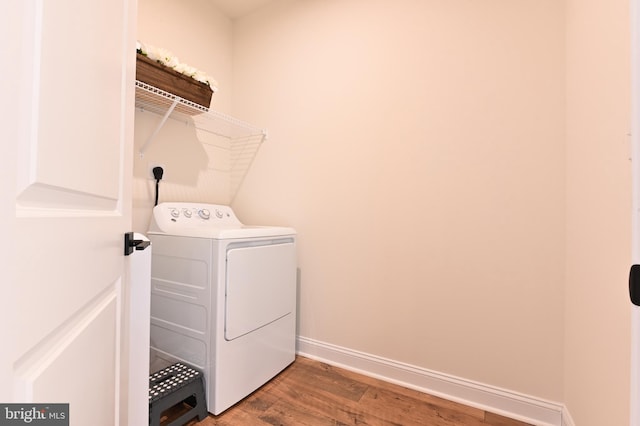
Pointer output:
x,y
167,59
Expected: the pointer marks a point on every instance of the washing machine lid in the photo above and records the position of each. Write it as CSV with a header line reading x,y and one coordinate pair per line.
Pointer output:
x,y
206,221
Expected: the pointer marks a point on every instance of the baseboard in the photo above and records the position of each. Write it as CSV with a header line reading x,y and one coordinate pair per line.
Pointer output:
x,y
567,420
490,398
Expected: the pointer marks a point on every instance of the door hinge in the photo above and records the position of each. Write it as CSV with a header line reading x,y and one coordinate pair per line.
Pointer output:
x,y
131,244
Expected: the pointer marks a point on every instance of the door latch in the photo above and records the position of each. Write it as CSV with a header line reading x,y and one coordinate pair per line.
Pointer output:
x,y
634,284
131,244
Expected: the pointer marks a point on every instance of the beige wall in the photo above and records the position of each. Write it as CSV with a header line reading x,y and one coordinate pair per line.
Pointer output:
x,y
418,150
598,212
199,35
194,31
457,172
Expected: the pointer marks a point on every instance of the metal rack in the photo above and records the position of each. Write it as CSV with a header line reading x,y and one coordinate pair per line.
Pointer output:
x,y
241,139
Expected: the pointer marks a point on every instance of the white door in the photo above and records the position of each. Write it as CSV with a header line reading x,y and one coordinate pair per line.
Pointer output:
x,y
67,81
635,236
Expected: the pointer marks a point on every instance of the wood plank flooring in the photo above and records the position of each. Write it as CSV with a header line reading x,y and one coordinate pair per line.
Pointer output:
x,y
311,393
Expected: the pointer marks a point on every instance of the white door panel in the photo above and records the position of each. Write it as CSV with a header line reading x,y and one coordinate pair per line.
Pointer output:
x,y
56,367
62,276
256,280
77,98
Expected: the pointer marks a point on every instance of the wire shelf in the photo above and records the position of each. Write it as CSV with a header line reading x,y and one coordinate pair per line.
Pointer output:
x,y
243,139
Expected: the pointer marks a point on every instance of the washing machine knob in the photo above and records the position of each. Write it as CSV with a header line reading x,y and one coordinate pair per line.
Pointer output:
x,y
186,212
175,212
218,214
204,214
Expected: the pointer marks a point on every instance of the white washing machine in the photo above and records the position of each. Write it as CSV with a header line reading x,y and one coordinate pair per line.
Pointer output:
x,y
223,297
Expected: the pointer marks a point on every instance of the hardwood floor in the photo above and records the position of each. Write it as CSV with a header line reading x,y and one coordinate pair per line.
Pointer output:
x,y
312,393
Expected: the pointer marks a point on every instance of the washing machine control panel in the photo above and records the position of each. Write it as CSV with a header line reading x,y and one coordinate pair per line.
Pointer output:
x,y
193,215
